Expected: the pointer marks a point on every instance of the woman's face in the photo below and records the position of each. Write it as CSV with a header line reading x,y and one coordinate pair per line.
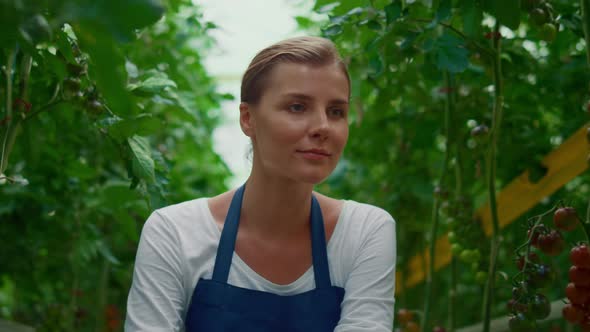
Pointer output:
x,y
299,127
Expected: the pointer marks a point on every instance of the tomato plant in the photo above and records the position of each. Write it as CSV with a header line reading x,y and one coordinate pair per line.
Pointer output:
x,y
98,120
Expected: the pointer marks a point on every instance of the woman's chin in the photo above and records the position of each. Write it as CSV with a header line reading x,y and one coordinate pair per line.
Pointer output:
x,y
315,178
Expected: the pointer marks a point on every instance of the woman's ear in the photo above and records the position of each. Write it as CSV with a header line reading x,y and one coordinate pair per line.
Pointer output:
x,y
247,121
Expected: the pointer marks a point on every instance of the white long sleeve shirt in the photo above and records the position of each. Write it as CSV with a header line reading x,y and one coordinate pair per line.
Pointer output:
x,y
178,246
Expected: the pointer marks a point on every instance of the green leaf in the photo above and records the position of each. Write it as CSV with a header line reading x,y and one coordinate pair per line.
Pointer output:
x,y
355,11
375,64
304,22
104,250
80,170
116,194
374,25
472,18
507,12
133,14
151,86
327,8
107,66
332,30
338,19
443,11
142,162
451,54
126,224
64,46
393,11
142,125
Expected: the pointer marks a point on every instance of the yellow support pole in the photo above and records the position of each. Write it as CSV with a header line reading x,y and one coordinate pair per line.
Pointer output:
x,y
563,164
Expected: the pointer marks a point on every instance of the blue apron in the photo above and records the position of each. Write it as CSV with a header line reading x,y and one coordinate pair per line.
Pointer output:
x,y
217,306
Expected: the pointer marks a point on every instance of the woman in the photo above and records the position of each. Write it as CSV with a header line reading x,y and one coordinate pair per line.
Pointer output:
x,y
299,260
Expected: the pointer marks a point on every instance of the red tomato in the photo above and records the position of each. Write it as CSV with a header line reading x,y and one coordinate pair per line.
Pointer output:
x,y
580,276
572,313
412,327
577,295
552,244
405,316
580,256
534,238
565,218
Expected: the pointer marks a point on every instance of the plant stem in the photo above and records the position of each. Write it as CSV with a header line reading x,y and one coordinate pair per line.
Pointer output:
x,y
43,109
452,295
458,195
102,295
14,124
481,48
491,168
436,206
585,224
585,7
9,67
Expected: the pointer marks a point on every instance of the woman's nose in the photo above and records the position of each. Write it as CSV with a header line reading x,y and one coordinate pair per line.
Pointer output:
x,y
320,125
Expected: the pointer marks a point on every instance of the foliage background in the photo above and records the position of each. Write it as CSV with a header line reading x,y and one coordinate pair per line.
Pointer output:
x,y
120,123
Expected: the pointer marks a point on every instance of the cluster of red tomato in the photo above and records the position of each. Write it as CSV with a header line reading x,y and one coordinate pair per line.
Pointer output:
x,y
408,324
113,317
528,304
578,290
406,319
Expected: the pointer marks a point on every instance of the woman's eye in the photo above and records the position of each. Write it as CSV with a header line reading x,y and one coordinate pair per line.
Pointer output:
x,y
296,108
337,112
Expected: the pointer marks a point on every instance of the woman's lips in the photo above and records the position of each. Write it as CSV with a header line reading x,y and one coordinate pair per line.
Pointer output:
x,y
314,154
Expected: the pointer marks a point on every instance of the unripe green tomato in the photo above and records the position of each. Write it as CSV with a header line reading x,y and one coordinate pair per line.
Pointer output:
x,y
540,307
539,16
72,84
548,32
481,277
456,249
541,276
76,69
475,255
452,237
470,256
465,256
78,96
94,107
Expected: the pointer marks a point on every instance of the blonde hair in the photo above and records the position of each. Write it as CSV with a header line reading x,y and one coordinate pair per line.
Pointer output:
x,y
315,51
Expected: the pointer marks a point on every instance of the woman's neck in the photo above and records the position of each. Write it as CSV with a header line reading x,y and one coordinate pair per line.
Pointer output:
x,y
276,207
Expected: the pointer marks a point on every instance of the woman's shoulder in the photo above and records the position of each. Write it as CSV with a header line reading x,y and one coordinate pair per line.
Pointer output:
x,y
181,216
367,211
366,218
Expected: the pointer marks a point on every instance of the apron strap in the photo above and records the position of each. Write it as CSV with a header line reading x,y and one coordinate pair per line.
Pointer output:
x,y
318,246
230,231
229,234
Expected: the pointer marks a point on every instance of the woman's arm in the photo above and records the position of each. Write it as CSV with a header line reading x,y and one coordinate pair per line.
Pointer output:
x,y
156,299
368,303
